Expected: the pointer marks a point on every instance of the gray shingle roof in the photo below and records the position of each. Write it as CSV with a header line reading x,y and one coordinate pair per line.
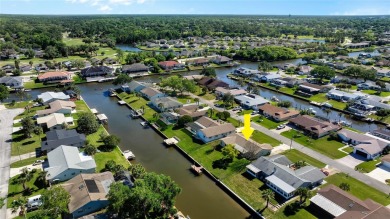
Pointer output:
x,y
67,157
60,137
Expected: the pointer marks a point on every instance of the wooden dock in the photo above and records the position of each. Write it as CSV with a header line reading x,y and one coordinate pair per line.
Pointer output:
x,y
196,169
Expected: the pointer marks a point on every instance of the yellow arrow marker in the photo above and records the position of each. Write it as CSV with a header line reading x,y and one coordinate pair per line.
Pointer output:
x,y
247,130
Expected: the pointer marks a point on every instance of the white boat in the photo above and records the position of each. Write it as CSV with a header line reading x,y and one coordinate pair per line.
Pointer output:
x,y
128,154
144,124
275,99
312,110
326,104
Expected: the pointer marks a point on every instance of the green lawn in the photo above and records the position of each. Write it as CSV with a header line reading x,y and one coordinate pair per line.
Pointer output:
x,y
101,159
302,213
243,112
367,166
372,92
30,113
235,122
265,122
359,189
348,149
73,41
25,162
323,145
295,155
22,145
185,99
21,104
246,187
137,103
208,96
321,98
263,138
35,85
15,189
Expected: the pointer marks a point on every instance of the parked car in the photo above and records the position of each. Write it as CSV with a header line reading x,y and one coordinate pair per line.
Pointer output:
x,y
280,127
37,162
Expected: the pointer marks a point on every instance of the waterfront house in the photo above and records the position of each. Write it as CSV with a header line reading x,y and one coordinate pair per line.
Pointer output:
x,y
369,85
48,97
199,62
246,72
221,91
194,111
94,71
206,129
269,77
342,95
250,101
308,89
135,86
248,148
135,68
212,83
342,65
12,82
277,113
41,68
109,61
368,104
364,145
381,72
169,117
221,60
304,70
171,65
333,202
163,104
280,175
88,193
58,106
315,127
95,61
54,76
56,138
54,121
382,133
25,68
150,93
66,162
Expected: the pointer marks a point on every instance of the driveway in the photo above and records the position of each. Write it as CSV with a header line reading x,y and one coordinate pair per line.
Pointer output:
x,y
6,123
380,173
351,160
16,171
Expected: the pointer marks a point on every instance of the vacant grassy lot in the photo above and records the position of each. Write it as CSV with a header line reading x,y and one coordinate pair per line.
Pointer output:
x,y
295,155
372,92
263,138
323,145
265,122
359,189
138,103
21,144
321,98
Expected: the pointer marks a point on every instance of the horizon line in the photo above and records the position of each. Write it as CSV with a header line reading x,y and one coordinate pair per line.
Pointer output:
x,y
288,15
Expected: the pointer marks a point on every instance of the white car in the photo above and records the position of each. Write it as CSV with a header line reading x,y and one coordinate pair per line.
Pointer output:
x,y
280,127
37,162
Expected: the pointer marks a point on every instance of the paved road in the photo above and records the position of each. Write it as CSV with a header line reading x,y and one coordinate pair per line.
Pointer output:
x,y
333,163
6,123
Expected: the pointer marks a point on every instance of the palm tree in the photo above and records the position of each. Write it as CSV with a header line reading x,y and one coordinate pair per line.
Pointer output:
x,y
197,101
42,178
267,194
303,193
24,177
241,82
19,203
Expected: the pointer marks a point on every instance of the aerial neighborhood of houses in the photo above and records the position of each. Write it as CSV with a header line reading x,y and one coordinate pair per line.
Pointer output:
x,y
304,136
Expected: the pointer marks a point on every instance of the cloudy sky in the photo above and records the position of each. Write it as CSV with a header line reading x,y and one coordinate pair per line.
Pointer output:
x,y
258,7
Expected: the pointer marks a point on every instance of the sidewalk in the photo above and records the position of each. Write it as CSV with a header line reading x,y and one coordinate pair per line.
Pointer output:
x,y
22,157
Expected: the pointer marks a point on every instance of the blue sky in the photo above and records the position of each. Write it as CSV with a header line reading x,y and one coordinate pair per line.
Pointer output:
x,y
260,7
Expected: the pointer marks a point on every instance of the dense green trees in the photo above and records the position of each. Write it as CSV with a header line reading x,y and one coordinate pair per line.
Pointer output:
x,y
360,72
209,72
184,120
323,72
4,92
268,53
153,196
122,79
111,141
178,84
54,202
27,126
87,123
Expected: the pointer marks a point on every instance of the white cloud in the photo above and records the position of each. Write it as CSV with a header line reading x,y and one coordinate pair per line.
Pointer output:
x,y
105,8
106,5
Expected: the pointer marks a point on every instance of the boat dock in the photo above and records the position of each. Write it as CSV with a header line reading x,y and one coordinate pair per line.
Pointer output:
x,y
121,102
128,154
171,141
144,124
135,114
196,169
102,118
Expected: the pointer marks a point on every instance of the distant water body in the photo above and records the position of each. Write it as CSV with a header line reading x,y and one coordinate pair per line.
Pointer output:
x,y
126,47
